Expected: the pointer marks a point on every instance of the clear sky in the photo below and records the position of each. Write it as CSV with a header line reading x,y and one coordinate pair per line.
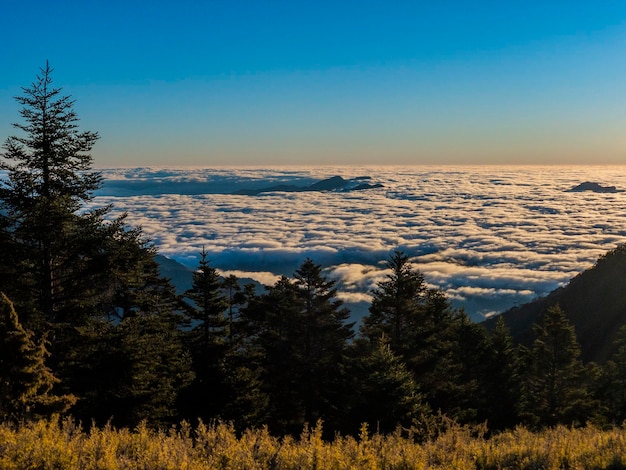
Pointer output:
x,y
230,82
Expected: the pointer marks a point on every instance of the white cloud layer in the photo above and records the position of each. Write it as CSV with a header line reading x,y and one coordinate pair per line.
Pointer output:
x,y
492,237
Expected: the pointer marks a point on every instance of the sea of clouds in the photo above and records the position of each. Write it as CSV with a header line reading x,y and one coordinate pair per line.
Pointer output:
x,y
491,236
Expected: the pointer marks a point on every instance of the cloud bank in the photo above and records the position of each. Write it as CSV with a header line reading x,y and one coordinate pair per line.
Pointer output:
x,y
492,237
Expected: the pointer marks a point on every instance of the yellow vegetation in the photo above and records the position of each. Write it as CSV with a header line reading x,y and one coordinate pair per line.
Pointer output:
x,y
61,444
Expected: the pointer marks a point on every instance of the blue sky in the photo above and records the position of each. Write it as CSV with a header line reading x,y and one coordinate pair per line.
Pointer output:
x,y
194,83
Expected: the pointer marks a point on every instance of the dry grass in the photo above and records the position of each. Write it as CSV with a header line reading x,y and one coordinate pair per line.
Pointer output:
x,y
61,444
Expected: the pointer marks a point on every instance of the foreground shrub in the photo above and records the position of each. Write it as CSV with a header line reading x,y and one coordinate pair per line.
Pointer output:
x,y
62,444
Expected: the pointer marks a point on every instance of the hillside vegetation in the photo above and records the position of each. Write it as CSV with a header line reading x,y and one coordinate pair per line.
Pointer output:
x,y
595,303
50,444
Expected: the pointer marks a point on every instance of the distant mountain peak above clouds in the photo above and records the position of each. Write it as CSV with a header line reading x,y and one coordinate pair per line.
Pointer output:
x,y
334,183
594,187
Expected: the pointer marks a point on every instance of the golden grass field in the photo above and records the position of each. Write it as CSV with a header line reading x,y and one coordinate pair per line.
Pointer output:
x,y
61,444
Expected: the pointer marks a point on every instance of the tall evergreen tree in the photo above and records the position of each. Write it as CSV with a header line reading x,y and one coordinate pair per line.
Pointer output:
x,y
613,381
87,278
326,336
303,334
235,298
49,178
276,330
208,306
397,304
421,328
246,402
208,341
502,386
155,369
460,372
383,392
555,389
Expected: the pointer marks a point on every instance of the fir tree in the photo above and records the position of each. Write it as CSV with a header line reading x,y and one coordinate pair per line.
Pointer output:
x,y
275,353
397,304
303,334
421,328
383,393
71,271
155,369
503,382
613,382
209,342
49,178
208,307
235,298
555,389
326,335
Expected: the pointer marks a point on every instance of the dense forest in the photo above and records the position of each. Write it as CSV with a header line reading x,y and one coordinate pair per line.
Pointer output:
x,y
90,329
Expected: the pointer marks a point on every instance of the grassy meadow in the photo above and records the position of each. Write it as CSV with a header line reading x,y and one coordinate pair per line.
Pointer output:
x,y
61,444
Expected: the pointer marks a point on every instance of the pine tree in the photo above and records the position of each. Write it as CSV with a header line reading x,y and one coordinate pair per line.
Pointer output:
x,y
275,353
246,402
208,341
83,276
48,180
235,298
459,376
136,366
421,328
383,392
555,389
613,383
503,382
397,305
25,382
208,307
156,368
326,336
303,335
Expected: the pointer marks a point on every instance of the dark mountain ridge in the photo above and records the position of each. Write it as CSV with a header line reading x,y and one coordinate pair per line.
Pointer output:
x,y
335,183
594,301
593,187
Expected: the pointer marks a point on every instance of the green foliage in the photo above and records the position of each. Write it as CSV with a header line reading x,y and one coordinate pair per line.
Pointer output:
x,y
154,369
461,373
502,385
595,302
25,381
425,332
208,307
613,381
132,371
555,390
397,305
302,336
49,178
209,343
70,270
383,393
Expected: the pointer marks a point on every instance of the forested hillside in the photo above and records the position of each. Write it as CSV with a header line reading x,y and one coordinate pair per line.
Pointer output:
x,y
595,302
89,328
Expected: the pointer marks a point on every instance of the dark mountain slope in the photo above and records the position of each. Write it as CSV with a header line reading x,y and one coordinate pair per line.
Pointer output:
x,y
594,301
180,275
